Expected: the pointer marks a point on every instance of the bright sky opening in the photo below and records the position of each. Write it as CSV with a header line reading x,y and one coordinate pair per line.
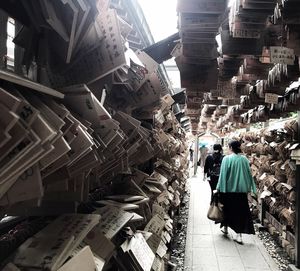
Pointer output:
x,y
161,16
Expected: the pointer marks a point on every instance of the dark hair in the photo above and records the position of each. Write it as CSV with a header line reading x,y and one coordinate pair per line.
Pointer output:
x,y
235,146
217,147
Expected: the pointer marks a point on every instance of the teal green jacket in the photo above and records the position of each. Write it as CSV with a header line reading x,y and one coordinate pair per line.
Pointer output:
x,y
235,175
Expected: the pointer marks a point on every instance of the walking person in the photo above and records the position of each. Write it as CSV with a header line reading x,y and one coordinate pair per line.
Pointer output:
x,y
213,165
235,181
203,154
192,152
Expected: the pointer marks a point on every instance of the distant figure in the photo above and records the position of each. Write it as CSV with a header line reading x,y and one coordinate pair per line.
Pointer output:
x,y
212,166
234,183
192,152
203,153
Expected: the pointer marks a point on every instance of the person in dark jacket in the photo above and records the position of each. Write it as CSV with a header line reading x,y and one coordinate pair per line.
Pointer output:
x,y
213,165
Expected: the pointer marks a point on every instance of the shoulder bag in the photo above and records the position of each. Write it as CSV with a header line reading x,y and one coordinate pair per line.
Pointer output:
x,y
215,211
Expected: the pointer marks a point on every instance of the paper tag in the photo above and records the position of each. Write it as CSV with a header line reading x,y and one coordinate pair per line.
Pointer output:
x,y
100,245
113,220
282,55
139,252
162,249
160,178
191,112
150,64
226,89
157,209
157,264
50,247
82,260
155,225
168,99
271,98
246,33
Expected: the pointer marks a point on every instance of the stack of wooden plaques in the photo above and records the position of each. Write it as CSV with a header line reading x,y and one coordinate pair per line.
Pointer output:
x,y
273,157
94,150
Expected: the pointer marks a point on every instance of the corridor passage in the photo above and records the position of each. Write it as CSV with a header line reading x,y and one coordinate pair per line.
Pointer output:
x,y
208,249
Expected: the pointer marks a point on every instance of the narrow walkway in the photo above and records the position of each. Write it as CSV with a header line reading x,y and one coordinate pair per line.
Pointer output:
x,y
208,249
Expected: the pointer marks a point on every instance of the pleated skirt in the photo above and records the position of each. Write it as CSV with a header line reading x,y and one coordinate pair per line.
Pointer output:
x,y
237,213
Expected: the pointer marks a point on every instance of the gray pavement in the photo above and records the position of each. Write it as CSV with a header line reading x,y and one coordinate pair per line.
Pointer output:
x,y
208,249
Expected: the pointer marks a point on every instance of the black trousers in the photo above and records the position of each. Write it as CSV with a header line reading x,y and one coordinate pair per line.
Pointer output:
x,y
213,183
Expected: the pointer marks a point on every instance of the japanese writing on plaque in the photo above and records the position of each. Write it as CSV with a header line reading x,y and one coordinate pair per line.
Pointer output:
x,y
226,89
246,33
271,98
282,55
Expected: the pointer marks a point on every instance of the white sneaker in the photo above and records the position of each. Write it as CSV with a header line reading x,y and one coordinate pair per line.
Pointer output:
x,y
239,239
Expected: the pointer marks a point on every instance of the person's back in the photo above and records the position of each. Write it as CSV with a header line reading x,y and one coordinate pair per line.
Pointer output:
x,y
203,154
216,164
235,175
234,183
213,165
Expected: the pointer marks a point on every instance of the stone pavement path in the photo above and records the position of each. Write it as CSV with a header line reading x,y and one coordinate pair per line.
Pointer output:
x,y
208,249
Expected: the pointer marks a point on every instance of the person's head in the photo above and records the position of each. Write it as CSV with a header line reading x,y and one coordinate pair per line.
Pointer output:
x,y
217,148
235,146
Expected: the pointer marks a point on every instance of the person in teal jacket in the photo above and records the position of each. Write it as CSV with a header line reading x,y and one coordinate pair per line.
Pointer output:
x,y
234,183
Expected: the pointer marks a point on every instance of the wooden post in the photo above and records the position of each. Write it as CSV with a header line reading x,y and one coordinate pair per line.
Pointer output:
x,y
297,234
3,38
19,52
196,157
262,211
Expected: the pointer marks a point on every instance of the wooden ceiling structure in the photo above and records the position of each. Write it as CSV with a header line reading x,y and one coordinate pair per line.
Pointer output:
x,y
237,61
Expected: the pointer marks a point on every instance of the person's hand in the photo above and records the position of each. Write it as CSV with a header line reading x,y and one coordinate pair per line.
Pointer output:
x,y
215,191
254,195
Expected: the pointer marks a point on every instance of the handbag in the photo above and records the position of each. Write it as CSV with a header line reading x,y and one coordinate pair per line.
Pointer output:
x,y
215,210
